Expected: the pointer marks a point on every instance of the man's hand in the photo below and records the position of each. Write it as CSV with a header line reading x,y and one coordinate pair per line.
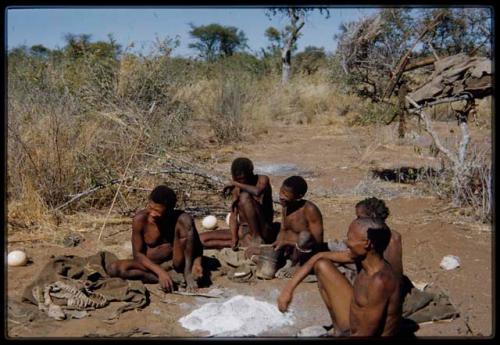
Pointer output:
x,y
228,188
279,244
284,300
166,283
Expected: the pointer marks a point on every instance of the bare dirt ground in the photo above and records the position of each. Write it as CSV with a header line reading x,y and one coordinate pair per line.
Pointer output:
x,y
335,162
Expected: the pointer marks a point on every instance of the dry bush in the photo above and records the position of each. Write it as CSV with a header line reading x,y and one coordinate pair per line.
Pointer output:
x,y
71,128
371,186
28,211
476,190
226,114
305,100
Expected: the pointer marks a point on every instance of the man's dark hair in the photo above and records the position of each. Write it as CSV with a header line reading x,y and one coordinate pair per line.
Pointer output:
x,y
163,195
377,232
242,165
376,208
297,184
379,237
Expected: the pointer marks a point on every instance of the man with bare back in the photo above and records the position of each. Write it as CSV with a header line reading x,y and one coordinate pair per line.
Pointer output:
x,y
372,305
161,233
251,219
301,231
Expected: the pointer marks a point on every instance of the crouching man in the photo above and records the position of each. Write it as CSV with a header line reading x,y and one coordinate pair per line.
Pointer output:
x,y
161,233
301,232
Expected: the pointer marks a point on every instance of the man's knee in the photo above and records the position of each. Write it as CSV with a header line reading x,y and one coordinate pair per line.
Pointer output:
x,y
244,199
114,269
321,266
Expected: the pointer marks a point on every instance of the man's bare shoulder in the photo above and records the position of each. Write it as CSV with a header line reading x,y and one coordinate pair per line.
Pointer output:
x,y
141,216
384,279
140,219
311,207
395,235
184,219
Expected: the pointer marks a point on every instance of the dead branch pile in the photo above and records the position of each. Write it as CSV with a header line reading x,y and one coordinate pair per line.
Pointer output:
x,y
197,186
454,76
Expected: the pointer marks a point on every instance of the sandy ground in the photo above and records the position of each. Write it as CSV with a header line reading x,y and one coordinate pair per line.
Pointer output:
x,y
335,162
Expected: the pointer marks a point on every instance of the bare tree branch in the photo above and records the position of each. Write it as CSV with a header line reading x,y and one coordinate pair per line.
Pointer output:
x,y
430,130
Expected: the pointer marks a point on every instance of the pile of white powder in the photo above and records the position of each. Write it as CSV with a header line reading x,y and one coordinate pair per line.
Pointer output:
x,y
238,316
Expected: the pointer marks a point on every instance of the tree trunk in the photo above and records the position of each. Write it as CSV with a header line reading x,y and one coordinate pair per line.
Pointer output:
x,y
460,168
285,63
297,22
403,91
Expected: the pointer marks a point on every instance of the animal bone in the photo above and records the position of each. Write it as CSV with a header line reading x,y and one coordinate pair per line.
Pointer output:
x,y
78,298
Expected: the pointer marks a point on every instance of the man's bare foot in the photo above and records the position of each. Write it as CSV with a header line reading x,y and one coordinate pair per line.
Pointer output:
x,y
286,271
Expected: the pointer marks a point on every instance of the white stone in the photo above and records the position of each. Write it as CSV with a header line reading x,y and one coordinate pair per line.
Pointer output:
x,y
209,222
227,218
450,262
420,285
236,317
17,258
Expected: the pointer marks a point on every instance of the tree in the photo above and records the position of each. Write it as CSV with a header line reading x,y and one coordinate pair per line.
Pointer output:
x,y
310,60
272,53
78,46
378,52
214,40
297,17
370,49
275,41
375,50
40,51
462,30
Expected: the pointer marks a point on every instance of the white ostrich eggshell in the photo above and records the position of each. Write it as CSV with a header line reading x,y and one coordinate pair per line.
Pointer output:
x,y
227,218
17,258
209,222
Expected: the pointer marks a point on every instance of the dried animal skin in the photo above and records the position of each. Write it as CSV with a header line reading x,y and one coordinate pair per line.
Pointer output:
x,y
76,299
80,299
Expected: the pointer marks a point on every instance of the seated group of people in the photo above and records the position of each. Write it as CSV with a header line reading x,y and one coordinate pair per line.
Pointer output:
x,y
370,304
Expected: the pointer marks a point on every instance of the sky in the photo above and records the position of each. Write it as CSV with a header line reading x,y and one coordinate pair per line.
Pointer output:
x,y
47,26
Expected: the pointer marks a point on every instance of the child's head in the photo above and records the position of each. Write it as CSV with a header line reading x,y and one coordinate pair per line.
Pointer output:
x,y
241,169
293,188
373,208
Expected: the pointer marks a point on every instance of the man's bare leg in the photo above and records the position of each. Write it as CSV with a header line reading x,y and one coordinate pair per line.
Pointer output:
x,y
133,270
179,260
251,214
336,292
216,239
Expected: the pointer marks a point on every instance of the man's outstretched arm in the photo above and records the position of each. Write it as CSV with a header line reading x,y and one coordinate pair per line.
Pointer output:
x,y
287,293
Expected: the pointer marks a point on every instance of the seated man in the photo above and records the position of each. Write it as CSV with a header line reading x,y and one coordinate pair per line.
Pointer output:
x,y
372,305
251,219
376,208
301,230
161,233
